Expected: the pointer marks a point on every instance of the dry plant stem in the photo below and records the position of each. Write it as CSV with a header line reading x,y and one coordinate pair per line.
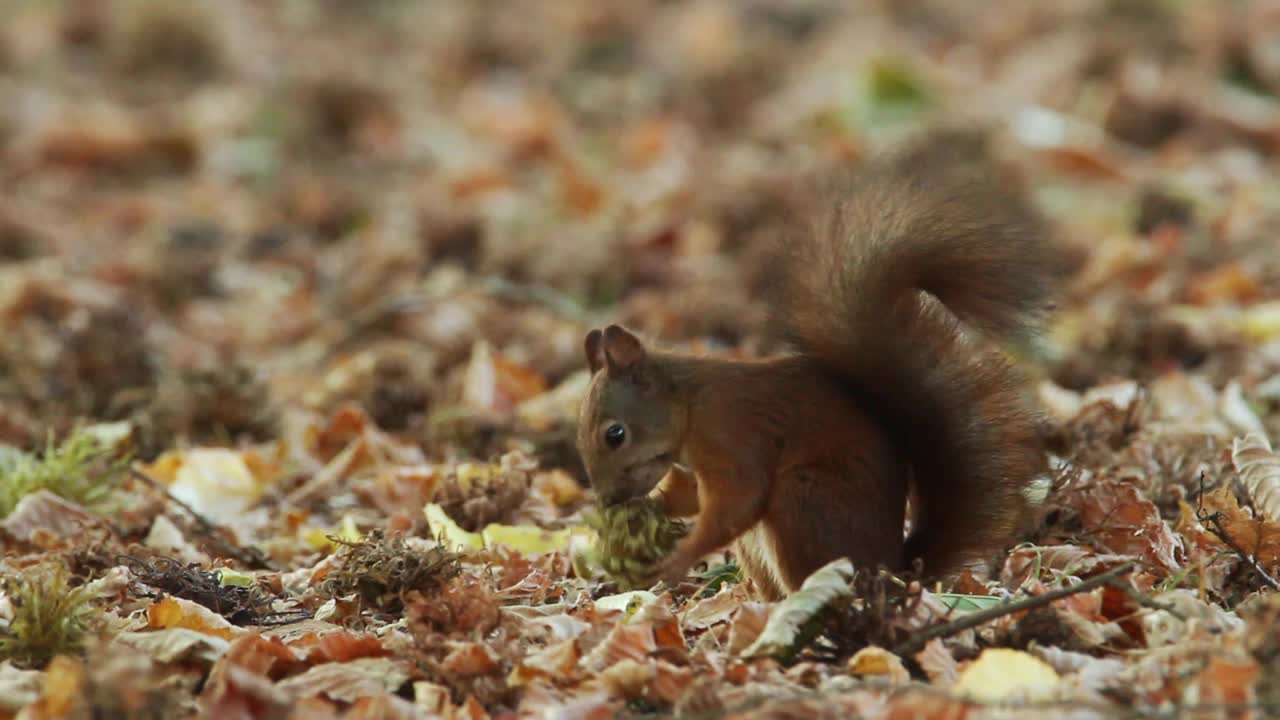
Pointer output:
x,y
918,640
1147,602
249,556
1214,522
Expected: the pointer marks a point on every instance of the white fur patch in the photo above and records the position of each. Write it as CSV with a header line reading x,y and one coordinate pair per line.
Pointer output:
x,y
761,544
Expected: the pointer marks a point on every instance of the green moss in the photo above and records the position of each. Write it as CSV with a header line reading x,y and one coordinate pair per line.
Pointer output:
x,y
49,616
79,469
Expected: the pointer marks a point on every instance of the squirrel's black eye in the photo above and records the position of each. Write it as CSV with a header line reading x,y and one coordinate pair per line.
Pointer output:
x,y
615,435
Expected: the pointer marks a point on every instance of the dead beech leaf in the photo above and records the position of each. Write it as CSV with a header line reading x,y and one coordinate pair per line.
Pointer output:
x,y
1227,683
644,143
582,194
554,661
1122,519
938,663
713,610
348,681
173,612
260,655
670,682
666,627
479,181
173,644
1004,674
237,692
1086,162
470,659
494,383
121,149
1258,537
63,683
627,679
339,646
1231,282
1259,470
747,624
558,487
877,662
42,513
626,641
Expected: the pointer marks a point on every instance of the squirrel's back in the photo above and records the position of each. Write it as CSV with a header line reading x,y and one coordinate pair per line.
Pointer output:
x,y
898,290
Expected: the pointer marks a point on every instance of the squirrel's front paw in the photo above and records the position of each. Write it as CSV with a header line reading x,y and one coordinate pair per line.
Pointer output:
x,y
673,570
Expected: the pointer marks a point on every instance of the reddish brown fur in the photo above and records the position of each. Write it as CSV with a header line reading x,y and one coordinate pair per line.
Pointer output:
x,y
805,458
804,431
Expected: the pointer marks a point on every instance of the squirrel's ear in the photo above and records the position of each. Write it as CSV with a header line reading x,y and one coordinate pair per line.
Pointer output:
x,y
594,347
622,350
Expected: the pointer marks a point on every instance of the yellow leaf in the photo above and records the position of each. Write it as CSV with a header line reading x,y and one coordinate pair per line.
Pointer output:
x,y
1003,674
318,538
234,578
1262,321
217,482
527,539
443,527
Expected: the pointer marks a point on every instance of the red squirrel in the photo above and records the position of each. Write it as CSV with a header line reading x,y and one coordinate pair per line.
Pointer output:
x,y
892,300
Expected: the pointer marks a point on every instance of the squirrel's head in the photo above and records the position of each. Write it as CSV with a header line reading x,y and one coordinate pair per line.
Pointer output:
x,y
626,432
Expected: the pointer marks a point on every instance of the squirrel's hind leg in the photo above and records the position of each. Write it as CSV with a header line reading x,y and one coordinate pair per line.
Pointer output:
x,y
814,520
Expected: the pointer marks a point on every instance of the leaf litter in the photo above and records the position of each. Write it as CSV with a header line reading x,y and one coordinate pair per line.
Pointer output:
x,y
291,355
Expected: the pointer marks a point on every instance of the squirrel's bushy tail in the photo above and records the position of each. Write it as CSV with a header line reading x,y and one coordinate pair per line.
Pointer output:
x,y
887,291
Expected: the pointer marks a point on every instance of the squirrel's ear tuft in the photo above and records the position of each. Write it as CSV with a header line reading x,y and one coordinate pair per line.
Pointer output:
x,y
622,350
594,347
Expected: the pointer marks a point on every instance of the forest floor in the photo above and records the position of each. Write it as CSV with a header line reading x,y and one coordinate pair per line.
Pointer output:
x,y
292,303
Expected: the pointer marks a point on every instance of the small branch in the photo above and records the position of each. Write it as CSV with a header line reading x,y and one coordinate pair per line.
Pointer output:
x,y
249,556
1213,521
1145,601
918,640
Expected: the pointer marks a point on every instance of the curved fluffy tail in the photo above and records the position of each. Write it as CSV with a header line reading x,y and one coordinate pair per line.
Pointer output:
x,y
886,290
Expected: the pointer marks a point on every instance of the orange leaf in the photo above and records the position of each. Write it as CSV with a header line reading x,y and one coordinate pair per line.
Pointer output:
x,y
1227,283
172,612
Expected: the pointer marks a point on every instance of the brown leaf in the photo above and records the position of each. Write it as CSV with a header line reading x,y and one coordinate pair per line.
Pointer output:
x,y
1258,537
44,516
470,659
747,625
877,662
1124,521
938,663
348,681
173,612
558,661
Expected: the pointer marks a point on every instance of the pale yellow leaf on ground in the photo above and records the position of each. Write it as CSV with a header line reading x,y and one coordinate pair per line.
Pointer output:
x,y
1003,674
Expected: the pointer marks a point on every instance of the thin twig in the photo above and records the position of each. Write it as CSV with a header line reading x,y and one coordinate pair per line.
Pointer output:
x,y
1215,526
1145,601
1213,522
918,640
249,556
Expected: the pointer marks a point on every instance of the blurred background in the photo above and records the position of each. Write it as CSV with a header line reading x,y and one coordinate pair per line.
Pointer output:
x,y
217,214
